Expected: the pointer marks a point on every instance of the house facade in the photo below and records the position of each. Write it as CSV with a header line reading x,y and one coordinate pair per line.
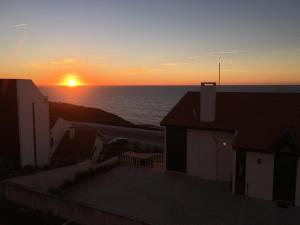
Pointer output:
x,y
24,123
250,140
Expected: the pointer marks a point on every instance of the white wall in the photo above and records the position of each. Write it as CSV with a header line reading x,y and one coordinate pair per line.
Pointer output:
x,y
99,148
297,197
259,177
28,93
207,157
58,131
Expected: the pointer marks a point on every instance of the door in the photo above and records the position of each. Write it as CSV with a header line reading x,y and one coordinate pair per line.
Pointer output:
x,y
285,171
240,173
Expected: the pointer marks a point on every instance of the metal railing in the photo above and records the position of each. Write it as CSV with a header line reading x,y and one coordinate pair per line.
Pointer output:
x,y
146,160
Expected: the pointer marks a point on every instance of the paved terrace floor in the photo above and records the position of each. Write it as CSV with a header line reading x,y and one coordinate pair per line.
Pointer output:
x,y
166,198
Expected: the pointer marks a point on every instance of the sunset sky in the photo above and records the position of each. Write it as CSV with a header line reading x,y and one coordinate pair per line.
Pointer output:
x,y
150,42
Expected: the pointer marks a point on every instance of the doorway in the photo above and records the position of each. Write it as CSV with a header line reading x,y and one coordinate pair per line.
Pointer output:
x,y
285,172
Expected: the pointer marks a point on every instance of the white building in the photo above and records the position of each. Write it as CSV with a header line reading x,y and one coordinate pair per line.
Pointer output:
x,y
251,140
71,145
24,124
78,145
58,129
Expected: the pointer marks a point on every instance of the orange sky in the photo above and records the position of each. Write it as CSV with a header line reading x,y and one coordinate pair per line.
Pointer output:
x,y
189,71
111,72
168,42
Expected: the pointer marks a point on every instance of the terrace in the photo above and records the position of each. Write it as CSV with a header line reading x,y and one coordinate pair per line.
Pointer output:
x,y
167,198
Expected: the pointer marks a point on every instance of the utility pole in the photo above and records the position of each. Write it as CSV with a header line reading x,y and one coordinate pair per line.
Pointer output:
x,y
219,73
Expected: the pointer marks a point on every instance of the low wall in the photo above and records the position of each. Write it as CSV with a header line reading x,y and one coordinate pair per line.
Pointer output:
x,y
32,191
48,203
51,179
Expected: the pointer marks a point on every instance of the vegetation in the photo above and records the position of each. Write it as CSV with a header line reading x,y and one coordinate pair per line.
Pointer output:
x,y
91,115
81,176
85,114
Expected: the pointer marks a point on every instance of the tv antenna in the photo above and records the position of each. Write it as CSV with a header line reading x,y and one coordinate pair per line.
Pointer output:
x,y
219,73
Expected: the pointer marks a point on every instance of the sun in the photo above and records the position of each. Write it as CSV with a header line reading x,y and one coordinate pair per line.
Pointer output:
x,y
71,81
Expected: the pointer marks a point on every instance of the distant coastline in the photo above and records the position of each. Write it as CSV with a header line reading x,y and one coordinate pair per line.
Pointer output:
x,y
78,113
140,105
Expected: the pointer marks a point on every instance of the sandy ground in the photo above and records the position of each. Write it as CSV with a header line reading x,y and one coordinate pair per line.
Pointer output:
x,y
167,198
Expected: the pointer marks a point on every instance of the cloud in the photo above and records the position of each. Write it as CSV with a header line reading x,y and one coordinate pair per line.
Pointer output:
x,y
65,61
174,64
60,63
193,57
19,25
101,58
229,51
30,64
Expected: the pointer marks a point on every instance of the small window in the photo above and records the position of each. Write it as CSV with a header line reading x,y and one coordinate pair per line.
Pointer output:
x,y
258,161
52,142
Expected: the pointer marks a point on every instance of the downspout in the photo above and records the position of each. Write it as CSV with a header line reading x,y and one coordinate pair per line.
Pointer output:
x,y
217,144
233,181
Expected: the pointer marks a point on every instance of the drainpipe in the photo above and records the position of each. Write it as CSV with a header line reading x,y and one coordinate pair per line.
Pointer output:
x,y
234,165
217,144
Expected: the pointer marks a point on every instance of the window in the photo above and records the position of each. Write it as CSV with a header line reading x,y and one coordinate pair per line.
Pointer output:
x,y
51,141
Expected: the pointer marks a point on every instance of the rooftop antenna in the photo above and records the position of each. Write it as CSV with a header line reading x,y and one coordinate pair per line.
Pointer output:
x,y
219,73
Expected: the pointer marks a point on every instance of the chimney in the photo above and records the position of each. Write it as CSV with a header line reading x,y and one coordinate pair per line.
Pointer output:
x,y
71,133
208,102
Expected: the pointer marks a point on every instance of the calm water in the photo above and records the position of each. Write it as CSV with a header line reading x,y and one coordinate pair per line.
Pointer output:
x,y
139,104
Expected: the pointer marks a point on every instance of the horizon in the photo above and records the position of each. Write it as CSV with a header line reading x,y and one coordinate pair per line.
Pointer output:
x,y
165,85
141,42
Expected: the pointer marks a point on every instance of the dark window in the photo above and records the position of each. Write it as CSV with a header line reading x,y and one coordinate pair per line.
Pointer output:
x,y
240,171
258,161
52,142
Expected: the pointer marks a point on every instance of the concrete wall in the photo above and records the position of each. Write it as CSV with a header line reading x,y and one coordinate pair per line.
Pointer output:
x,y
50,179
31,191
297,197
28,93
47,203
58,131
259,177
209,154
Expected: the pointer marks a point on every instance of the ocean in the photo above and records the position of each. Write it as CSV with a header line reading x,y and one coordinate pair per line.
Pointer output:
x,y
140,104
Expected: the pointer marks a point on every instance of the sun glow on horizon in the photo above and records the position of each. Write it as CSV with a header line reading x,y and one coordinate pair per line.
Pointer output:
x,y
71,80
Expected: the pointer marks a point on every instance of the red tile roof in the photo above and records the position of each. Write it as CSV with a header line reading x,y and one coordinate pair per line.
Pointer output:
x,y
79,148
258,117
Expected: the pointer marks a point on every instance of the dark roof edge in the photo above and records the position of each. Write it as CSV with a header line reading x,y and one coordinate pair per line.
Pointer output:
x,y
200,128
171,110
